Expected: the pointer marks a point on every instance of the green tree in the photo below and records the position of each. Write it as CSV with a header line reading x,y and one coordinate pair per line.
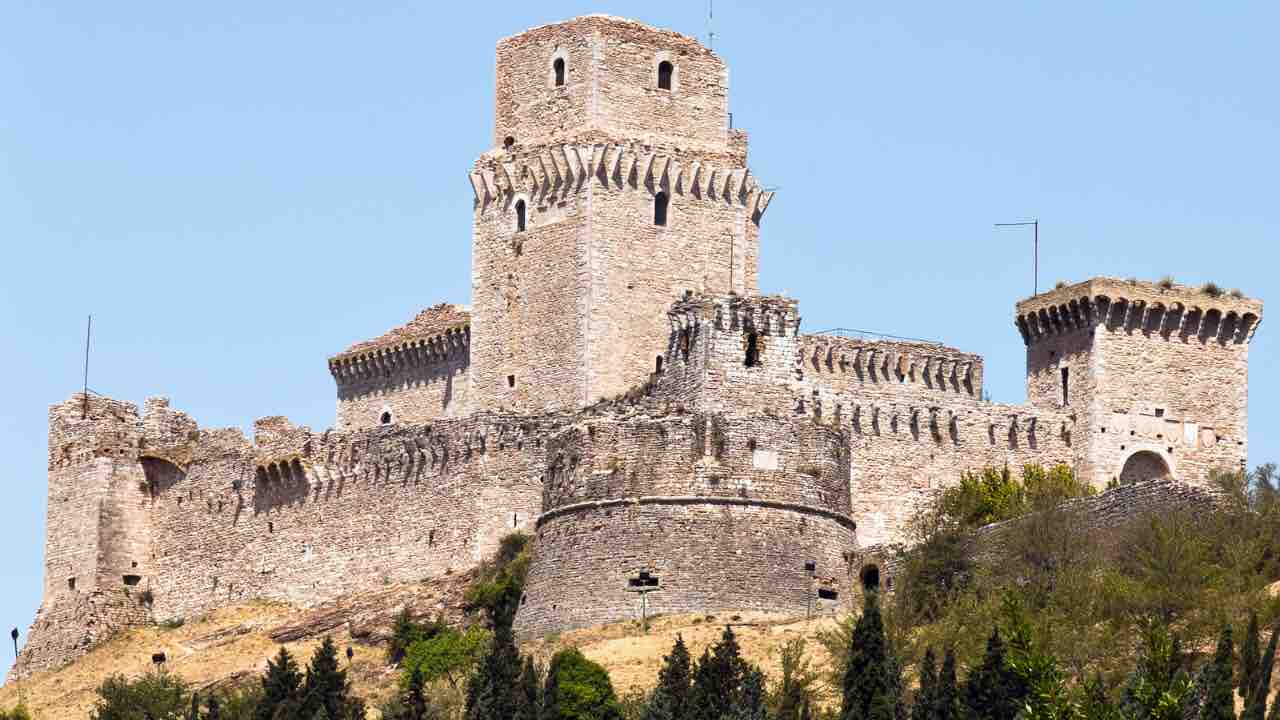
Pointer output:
x,y
213,708
326,688
795,687
491,694
670,699
281,688
946,705
872,687
752,705
1255,707
1159,686
926,696
446,653
717,681
1095,704
240,704
1250,656
154,696
529,697
500,583
578,689
1219,703
992,691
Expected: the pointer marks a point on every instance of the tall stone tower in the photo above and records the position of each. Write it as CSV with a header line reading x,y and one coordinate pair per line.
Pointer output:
x,y
1158,375
614,185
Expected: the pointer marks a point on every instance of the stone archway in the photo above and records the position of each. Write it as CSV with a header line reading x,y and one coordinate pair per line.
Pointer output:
x,y
1142,466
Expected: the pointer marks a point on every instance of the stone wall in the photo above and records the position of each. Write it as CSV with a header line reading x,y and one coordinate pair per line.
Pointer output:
x,y
724,510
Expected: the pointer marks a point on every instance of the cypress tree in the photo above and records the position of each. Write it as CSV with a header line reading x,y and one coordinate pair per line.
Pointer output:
x,y
805,712
280,689
717,682
529,697
670,700
752,704
325,687
1218,702
992,691
1250,656
194,712
872,678
1255,707
946,696
213,708
491,694
925,696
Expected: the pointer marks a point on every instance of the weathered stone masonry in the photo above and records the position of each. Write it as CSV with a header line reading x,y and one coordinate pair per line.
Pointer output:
x,y
619,387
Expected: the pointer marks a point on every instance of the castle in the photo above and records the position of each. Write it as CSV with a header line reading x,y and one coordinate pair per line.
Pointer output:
x,y
619,388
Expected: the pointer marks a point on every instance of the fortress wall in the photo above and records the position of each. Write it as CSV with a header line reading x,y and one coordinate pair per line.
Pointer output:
x,y
891,369
416,383
711,555
752,458
708,346
725,510
303,517
902,452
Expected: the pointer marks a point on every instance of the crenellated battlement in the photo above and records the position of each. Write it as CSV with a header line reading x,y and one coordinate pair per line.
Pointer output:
x,y
549,174
884,363
1158,310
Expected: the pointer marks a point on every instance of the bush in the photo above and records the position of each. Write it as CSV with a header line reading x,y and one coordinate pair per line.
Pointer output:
x,y
1212,289
449,655
406,631
578,689
154,696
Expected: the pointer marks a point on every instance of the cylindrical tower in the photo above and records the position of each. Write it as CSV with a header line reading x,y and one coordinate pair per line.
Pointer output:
x,y
723,513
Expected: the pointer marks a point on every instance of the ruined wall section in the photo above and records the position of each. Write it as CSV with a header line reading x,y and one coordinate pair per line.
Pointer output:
x,y
731,354
1158,374
610,86
725,511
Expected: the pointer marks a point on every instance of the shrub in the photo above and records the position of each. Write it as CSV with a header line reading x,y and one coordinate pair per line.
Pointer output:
x,y
1212,289
1166,282
578,689
448,654
154,695
500,581
406,631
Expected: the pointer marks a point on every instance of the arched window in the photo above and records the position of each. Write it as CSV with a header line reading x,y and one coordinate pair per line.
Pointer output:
x,y
520,216
660,202
558,66
665,70
386,417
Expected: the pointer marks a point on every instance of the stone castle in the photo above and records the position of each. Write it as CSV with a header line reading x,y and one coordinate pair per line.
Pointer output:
x,y
620,389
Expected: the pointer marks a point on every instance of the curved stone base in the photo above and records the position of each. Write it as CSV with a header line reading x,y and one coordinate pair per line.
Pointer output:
x,y
709,555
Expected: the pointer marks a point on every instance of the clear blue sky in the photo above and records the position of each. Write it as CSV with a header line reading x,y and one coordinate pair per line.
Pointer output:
x,y
238,189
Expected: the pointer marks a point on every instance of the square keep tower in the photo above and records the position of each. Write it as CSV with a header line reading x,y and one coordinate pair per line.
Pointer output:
x,y
614,186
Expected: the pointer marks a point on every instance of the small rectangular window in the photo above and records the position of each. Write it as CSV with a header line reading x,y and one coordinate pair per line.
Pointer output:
x,y
511,381
1066,386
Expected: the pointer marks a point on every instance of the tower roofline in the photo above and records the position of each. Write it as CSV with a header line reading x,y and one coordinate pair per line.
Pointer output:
x,y
601,20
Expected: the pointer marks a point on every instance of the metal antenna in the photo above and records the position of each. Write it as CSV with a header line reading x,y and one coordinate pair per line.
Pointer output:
x,y
1035,278
88,332
711,29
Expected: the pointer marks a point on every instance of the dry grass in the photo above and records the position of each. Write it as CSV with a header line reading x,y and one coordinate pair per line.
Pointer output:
x,y
633,658
228,647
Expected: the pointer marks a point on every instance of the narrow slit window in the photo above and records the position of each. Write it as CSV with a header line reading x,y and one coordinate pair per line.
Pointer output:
x,y
753,350
558,66
657,364
520,216
660,202
665,70
1066,386
511,381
